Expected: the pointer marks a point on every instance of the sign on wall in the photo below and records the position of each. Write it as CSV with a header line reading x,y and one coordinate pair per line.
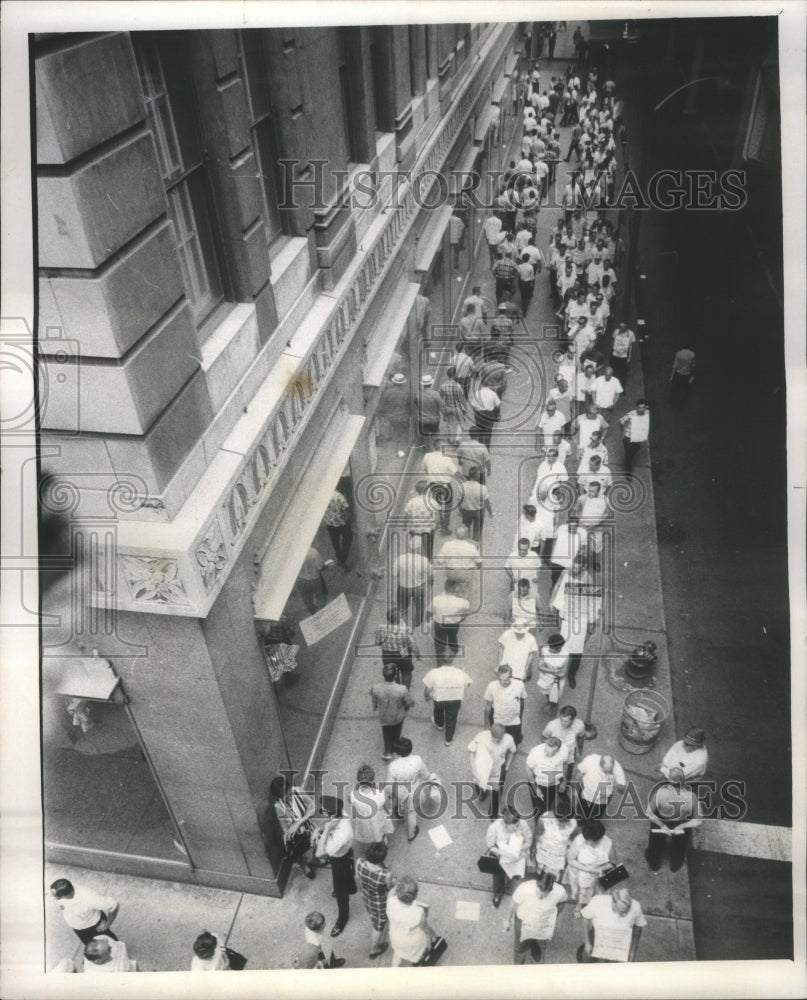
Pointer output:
x,y
324,621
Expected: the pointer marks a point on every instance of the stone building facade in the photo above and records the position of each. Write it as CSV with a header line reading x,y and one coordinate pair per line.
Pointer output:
x,y
221,306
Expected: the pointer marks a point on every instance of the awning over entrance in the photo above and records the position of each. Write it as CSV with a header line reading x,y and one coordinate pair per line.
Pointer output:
x,y
292,539
388,329
431,237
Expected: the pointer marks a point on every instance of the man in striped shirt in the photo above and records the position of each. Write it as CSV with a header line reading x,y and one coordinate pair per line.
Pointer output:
x,y
505,273
454,405
398,646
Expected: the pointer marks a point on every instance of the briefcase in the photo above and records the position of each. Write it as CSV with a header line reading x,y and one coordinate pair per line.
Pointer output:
x,y
435,952
487,864
612,877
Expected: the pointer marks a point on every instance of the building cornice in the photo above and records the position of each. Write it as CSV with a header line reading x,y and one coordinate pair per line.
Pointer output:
x,y
179,567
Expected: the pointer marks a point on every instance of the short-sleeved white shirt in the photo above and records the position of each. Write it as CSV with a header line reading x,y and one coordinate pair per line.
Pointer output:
x,y
506,701
516,651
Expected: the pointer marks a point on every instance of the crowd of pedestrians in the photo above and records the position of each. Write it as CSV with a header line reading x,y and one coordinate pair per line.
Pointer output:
x,y
558,847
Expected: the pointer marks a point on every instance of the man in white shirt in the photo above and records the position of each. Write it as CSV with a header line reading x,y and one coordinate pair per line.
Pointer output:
x,y
553,662
588,422
106,954
335,844
551,420
598,776
594,447
593,511
517,650
621,350
578,601
535,905
562,399
562,446
570,540
86,911
595,472
523,564
545,769
504,703
688,754
567,727
493,235
445,686
635,431
491,752
441,472
476,302
412,573
606,391
403,775
529,527
486,406
448,611
550,472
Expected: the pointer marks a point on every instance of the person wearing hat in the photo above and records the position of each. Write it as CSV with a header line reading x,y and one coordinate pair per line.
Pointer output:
x,y
430,408
673,810
688,754
394,410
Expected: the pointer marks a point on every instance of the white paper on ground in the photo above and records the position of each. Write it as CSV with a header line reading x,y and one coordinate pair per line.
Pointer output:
x,y
466,910
440,836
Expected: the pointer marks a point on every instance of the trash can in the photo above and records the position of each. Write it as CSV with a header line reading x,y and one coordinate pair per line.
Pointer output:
x,y
643,715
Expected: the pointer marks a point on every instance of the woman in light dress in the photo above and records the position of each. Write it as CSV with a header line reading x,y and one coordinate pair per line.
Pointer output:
x,y
369,809
409,931
552,837
508,840
590,854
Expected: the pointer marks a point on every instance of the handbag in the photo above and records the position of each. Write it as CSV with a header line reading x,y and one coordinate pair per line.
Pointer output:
x,y
488,864
612,877
297,844
236,959
434,952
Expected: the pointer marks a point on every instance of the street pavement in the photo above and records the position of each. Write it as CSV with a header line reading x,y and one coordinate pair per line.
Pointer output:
x,y
159,920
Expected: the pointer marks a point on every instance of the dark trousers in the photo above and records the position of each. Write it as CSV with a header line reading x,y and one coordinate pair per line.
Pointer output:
x,y
426,542
445,714
446,642
413,597
545,804
428,429
679,390
527,952
86,934
659,844
442,496
313,592
484,421
515,732
525,289
504,288
589,810
402,663
341,540
620,366
631,448
499,881
575,659
391,734
495,794
343,884
473,520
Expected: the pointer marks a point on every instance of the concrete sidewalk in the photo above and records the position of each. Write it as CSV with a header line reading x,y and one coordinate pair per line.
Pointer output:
x,y
159,920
